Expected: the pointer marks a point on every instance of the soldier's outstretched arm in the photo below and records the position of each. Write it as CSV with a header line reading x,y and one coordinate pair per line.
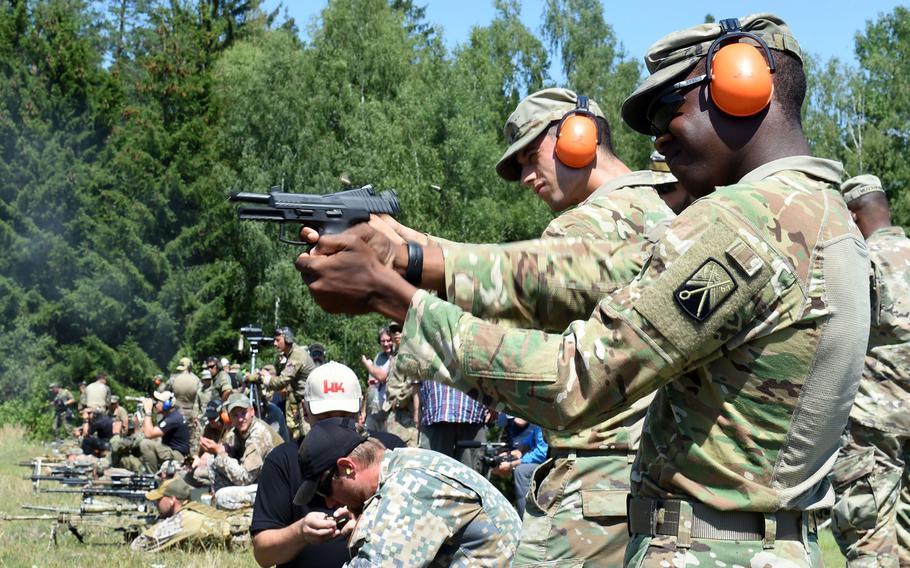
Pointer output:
x,y
636,340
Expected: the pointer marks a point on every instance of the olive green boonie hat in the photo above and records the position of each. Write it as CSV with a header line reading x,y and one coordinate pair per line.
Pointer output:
x,y
530,119
675,55
858,186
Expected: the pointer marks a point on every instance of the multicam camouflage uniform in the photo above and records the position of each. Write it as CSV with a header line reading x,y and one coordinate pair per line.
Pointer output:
x,y
577,504
431,510
744,320
221,384
242,463
870,520
293,371
197,525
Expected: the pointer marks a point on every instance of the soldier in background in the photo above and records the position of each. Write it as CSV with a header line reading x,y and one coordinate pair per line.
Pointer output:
x,y
81,406
169,439
98,393
238,460
120,416
186,386
221,383
871,519
206,391
96,431
424,508
294,365
189,524
63,403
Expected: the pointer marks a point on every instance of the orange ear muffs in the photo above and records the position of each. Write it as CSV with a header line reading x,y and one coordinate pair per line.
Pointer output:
x,y
739,75
577,136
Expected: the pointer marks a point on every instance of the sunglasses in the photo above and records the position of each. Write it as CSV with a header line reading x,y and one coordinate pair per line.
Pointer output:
x,y
324,485
664,106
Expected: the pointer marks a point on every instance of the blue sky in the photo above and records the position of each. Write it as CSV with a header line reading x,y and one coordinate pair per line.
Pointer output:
x,y
827,30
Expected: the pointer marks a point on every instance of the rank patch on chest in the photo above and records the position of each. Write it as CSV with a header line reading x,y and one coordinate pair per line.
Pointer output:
x,y
705,290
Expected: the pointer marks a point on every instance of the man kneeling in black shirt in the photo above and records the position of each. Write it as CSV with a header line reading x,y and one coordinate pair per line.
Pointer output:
x,y
290,535
96,431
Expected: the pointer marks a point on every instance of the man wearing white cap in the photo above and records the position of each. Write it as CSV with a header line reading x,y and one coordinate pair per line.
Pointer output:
x,y
292,535
170,438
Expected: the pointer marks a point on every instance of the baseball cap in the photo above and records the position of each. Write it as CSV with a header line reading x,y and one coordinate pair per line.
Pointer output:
x,y
327,441
332,386
237,400
163,396
174,487
184,364
858,186
676,54
206,375
394,327
115,399
53,385
212,409
530,119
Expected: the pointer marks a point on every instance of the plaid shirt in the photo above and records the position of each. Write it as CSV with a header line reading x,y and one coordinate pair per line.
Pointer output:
x,y
441,403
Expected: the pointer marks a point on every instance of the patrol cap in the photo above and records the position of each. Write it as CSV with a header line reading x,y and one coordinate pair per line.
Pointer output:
x,y
174,487
332,387
327,441
530,119
858,186
675,55
163,396
54,386
115,399
237,400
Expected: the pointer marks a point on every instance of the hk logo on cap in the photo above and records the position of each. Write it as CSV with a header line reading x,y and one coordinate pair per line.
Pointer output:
x,y
328,387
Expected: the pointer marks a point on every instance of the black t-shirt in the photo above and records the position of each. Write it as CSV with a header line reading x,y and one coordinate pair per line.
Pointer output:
x,y
275,509
176,432
102,426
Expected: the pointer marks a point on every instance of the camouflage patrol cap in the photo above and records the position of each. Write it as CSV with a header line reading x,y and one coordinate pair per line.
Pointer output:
x,y
530,119
174,487
675,55
858,186
237,400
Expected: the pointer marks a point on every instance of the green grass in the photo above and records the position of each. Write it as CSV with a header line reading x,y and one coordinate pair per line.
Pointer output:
x,y
28,543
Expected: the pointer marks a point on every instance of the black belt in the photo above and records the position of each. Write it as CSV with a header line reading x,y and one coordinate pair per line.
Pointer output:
x,y
662,517
558,453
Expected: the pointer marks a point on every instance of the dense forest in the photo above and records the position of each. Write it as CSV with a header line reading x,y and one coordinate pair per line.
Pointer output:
x,y
125,124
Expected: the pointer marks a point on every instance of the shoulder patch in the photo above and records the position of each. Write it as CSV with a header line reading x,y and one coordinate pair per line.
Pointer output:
x,y
162,424
705,290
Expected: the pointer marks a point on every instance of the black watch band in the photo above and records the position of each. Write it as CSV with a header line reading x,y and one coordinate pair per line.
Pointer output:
x,y
414,272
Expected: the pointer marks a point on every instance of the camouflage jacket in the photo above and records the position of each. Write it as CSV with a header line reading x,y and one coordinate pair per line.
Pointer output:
x,y
883,400
221,383
61,399
293,371
196,525
430,510
743,319
626,211
243,461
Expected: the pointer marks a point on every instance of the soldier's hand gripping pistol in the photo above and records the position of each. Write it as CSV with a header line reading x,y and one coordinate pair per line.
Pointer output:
x,y
327,214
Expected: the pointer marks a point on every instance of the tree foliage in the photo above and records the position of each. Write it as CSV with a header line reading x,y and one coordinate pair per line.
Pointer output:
x,y
124,124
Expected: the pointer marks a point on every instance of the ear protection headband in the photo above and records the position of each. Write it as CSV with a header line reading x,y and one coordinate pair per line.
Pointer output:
x,y
168,404
577,136
738,75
